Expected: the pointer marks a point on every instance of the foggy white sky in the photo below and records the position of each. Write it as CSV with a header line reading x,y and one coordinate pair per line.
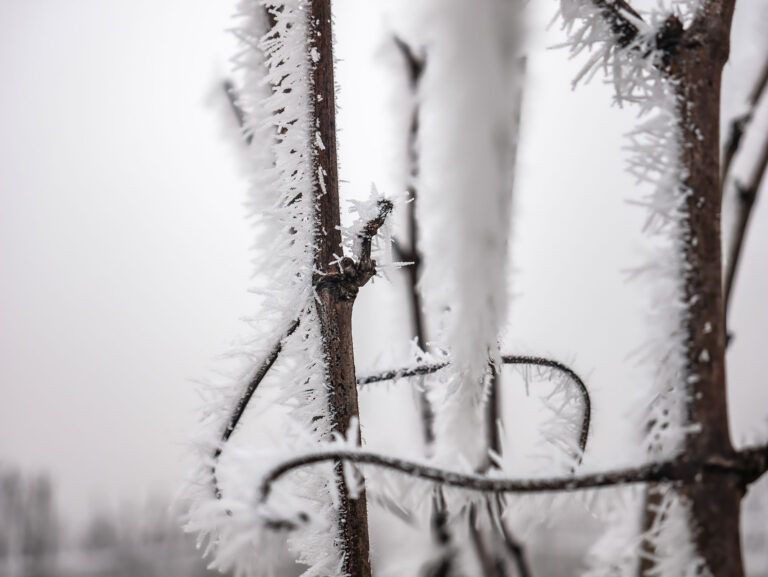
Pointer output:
x,y
124,261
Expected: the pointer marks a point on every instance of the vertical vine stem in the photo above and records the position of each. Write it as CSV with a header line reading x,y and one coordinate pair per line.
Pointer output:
x,y
334,305
714,499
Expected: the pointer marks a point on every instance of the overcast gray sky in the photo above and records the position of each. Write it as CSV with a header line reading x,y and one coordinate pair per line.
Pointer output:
x,y
124,248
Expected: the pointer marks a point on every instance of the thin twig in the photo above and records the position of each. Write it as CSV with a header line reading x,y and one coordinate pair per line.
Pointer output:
x,y
395,374
507,360
351,274
372,227
245,398
586,401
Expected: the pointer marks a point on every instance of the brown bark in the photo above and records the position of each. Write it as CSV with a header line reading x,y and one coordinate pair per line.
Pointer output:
x,y
695,64
334,304
715,497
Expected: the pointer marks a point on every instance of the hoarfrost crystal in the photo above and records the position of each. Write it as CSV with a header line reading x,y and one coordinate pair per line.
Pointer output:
x,y
274,62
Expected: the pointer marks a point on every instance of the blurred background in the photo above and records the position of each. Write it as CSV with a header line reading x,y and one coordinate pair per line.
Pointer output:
x,y
125,263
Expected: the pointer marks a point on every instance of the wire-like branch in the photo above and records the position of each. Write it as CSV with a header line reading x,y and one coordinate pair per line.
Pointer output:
x,y
661,472
403,373
747,465
245,398
586,401
507,360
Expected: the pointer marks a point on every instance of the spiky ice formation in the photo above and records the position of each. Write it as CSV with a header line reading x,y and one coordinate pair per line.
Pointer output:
x,y
274,61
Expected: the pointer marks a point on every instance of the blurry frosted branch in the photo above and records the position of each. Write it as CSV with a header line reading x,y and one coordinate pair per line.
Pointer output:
x,y
747,195
234,104
739,125
747,466
523,360
515,549
746,192
414,66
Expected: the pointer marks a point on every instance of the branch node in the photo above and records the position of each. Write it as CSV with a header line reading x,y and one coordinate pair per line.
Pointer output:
x,y
353,274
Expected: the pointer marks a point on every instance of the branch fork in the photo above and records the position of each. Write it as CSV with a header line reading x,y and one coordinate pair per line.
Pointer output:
x,y
354,273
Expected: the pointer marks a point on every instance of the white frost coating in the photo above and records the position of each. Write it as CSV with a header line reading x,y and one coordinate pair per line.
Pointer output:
x,y
654,149
615,553
670,537
668,540
465,150
274,65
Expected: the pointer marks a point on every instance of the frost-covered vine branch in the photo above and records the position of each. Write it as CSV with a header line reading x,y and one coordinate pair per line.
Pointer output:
x,y
335,284
523,360
414,66
245,398
370,230
747,465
